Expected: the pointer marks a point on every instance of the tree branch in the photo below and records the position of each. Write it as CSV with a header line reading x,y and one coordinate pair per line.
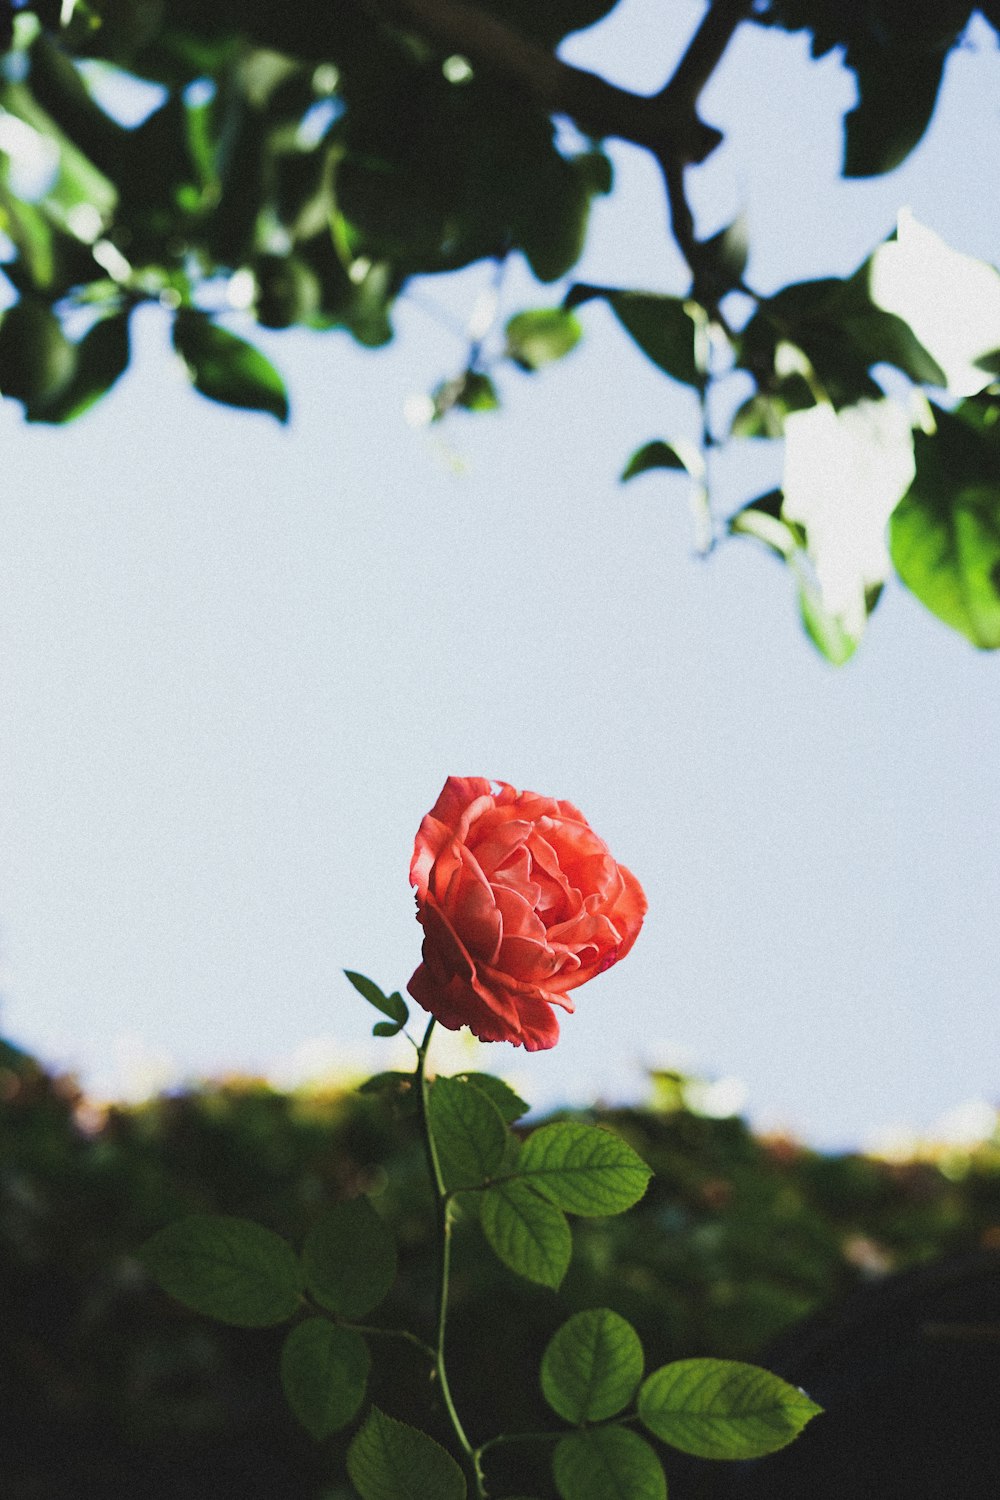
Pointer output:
x,y
666,123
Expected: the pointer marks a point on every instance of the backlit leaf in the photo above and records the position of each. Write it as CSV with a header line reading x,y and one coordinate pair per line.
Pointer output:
x,y
592,1366
583,1169
510,1104
538,337
529,1234
469,1132
945,533
101,357
721,1408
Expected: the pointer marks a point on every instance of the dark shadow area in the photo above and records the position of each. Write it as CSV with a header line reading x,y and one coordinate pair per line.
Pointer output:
x,y
874,1285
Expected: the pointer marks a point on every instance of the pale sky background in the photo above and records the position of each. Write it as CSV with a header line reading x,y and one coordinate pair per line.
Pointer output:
x,y
239,661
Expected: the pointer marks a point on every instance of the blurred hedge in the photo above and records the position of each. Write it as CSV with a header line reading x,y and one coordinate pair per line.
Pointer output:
x,y
108,1389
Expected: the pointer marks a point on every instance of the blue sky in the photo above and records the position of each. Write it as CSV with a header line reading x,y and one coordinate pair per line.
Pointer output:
x,y
237,663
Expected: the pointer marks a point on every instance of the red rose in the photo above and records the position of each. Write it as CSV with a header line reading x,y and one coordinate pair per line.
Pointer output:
x,y
520,902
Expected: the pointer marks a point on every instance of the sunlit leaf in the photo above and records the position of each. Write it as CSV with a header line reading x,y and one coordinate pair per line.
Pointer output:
x,y
719,1408
945,532
469,1132
528,1233
537,338
950,301
583,1169
592,1366
844,474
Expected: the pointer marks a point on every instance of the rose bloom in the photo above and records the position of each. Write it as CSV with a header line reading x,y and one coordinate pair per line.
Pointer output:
x,y
520,903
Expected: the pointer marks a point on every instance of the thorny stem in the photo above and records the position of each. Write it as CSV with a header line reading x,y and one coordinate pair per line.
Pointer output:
x,y
442,1203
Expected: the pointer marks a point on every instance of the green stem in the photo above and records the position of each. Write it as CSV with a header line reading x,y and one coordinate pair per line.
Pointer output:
x,y
550,1437
392,1333
442,1204
519,1437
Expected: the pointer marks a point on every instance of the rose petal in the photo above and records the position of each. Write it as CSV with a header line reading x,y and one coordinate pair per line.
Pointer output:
x,y
496,836
473,912
519,918
463,800
524,1022
588,928
629,910
527,960
442,949
520,902
539,1026
456,1004
432,837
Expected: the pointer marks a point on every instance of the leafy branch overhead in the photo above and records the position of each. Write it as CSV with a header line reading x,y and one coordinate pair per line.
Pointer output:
x,y
300,165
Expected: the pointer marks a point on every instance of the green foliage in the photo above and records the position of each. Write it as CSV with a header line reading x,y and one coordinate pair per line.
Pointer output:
x,y
592,1366
529,1234
193,1403
583,1169
661,455
671,331
300,169
839,333
945,532
393,1006
717,1408
509,1103
607,1463
228,1268
537,338
36,358
897,52
470,391
99,359
469,1132
226,368
349,1258
389,1460
324,1372
763,519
